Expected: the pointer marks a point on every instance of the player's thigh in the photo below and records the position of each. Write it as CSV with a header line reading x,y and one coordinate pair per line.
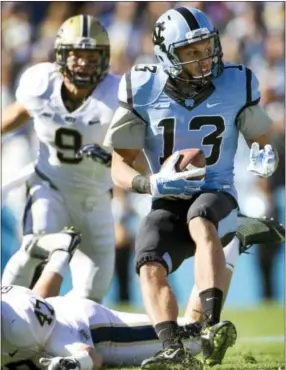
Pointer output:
x,y
163,236
97,226
91,276
44,211
92,266
221,209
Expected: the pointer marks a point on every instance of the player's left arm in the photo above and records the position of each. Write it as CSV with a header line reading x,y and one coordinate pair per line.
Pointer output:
x,y
255,125
71,347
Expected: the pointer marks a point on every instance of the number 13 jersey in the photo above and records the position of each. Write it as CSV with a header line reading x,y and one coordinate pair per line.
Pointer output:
x,y
168,121
61,133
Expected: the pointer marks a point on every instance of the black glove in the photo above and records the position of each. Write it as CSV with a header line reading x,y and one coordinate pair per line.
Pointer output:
x,y
95,152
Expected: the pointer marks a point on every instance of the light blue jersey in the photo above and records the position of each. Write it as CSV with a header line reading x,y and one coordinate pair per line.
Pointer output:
x,y
207,123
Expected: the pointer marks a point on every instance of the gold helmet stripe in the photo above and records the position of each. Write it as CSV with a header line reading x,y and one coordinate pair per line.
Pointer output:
x,y
85,27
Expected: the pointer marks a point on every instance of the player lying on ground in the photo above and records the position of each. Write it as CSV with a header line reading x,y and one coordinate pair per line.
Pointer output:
x,y
34,328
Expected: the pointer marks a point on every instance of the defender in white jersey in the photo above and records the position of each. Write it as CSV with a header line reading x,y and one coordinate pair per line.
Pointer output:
x,y
72,103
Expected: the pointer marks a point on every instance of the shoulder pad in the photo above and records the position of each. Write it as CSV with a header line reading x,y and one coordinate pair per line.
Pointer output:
x,y
107,90
24,328
110,82
142,84
241,77
233,72
35,80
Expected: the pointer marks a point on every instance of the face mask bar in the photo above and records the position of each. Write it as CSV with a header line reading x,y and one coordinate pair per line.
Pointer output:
x,y
100,68
217,65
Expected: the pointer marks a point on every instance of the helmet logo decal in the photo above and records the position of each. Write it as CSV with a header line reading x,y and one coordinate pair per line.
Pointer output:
x,y
158,38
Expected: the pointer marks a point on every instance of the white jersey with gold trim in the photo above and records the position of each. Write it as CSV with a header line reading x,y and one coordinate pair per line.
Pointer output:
x,y
61,133
120,338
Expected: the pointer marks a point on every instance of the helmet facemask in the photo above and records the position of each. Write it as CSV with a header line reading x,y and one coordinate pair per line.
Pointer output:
x,y
182,74
166,53
92,73
76,40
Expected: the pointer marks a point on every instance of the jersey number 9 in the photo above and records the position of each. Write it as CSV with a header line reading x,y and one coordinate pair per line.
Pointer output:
x,y
68,140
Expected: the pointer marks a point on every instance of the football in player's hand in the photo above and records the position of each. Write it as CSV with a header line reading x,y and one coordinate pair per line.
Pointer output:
x,y
188,158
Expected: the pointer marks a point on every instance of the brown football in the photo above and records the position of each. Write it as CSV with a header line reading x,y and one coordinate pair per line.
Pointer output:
x,y
192,156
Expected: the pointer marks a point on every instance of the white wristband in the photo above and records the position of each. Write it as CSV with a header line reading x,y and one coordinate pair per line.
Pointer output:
x,y
84,359
58,262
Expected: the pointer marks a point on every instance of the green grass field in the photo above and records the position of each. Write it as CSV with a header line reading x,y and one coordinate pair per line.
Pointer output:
x,y
259,345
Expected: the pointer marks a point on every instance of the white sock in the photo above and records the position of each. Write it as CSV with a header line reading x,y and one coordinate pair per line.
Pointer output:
x,y
20,269
231,252
58,262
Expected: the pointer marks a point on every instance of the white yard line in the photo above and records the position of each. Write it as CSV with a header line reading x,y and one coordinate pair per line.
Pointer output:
x,y
278,339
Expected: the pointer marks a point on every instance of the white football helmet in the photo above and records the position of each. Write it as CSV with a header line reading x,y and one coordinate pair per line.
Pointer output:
x,y
183,26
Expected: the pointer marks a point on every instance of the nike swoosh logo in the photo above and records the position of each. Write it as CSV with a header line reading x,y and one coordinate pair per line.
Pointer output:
x,y
93,122
172,355
212,105
161,331
12,354
210,299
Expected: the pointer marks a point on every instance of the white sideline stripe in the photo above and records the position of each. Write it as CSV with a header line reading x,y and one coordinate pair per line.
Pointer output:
x,y
278,339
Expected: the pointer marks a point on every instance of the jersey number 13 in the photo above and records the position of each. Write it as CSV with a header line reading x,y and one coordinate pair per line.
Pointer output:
x,y
213,139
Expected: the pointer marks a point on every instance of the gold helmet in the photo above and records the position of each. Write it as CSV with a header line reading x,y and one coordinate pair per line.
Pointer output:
x,y
83,32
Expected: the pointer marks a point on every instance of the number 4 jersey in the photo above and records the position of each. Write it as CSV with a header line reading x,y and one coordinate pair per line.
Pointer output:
x,y
27,323
158,118
61,133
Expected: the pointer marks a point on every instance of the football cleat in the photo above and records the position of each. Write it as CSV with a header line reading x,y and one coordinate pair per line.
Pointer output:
x,y
193,329
216,339
44,245
178,358
259,231
59,363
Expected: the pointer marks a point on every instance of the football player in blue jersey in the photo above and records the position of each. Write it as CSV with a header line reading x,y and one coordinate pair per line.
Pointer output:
x,y
190,99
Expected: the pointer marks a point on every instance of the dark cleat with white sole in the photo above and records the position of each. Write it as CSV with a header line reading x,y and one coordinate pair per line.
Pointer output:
x,y
172,359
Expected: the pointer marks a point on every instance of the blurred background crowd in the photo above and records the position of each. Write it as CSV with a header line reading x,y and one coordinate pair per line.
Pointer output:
x,y
251,33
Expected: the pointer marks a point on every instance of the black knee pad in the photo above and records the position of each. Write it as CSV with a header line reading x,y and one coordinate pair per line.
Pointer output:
x,y
152,238
205,212
143,260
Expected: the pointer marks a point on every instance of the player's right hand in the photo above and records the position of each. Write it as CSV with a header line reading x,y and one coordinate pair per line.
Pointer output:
x,y
169,182
59,363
